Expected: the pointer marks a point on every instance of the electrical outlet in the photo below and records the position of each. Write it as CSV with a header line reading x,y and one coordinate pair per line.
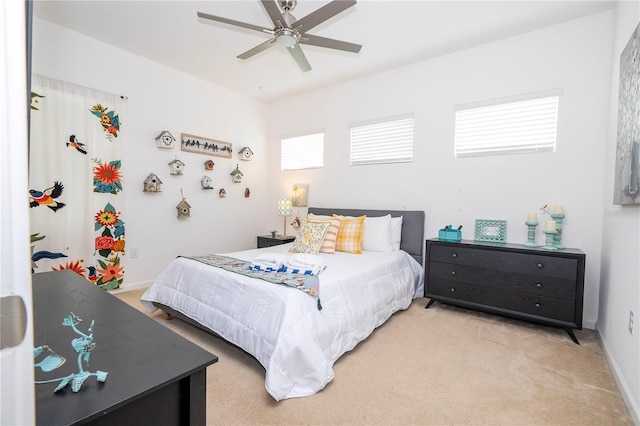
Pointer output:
x,y
631,317
134,253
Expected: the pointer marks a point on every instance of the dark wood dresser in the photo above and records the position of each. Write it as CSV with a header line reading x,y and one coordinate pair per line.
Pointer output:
x,y
532,284
155,376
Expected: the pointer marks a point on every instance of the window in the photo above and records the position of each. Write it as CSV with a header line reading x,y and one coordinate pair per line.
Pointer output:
x,y
302,152
524,125
383,141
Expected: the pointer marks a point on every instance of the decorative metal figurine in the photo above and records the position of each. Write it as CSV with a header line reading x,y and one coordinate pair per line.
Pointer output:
x,y
83,345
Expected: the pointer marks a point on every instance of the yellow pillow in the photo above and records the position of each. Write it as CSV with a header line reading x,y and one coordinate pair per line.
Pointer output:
x,y
329,242
310,237
349,238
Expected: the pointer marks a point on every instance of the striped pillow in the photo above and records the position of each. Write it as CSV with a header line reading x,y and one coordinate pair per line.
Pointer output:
x,y
329,243
349,238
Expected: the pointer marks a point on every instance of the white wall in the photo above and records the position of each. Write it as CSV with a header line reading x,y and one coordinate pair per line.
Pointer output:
x,y
572,57
620,275
160,98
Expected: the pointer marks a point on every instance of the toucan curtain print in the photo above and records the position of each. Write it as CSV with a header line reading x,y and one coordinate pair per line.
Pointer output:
x,y
76,182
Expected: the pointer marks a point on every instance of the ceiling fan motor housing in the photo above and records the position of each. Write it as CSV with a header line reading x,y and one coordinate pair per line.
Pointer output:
x,y
288,4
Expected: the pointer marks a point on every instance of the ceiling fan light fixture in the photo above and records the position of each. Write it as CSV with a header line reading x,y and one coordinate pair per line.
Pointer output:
x,y
286,41
286,37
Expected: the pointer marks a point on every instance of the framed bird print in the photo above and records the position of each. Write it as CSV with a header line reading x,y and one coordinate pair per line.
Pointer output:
x,y
200,145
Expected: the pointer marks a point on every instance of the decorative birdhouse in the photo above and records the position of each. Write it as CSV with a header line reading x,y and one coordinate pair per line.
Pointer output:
x,y
208,165
152,183
176,167
222,193
184,209
165,140
236,175
245,153
206,182
247,193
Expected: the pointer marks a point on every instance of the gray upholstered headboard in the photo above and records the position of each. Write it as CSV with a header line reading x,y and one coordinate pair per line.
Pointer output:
x,y
412,226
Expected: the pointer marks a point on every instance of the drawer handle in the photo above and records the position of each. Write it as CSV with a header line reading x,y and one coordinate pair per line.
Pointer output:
x,y
453,290
454,255
453,272
538,305
539,285
540,266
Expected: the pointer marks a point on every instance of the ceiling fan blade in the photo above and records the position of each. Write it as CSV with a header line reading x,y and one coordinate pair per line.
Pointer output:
x,y
330,43
259,48
319,16
298,56
232,22
274,13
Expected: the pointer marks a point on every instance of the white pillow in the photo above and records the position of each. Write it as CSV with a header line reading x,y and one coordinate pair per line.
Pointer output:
x,y
376,235
396,232
318,216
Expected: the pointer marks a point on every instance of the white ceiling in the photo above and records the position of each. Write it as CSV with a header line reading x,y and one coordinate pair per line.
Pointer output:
x,y
392,33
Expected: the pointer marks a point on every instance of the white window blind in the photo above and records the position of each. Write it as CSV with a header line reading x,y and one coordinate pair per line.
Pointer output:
x,y
302,152
528,125
388,141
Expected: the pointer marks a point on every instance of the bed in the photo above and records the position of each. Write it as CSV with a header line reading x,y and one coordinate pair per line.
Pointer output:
x,y
297,337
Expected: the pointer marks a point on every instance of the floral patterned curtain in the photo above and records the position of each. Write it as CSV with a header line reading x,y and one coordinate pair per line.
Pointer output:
x,y
76,181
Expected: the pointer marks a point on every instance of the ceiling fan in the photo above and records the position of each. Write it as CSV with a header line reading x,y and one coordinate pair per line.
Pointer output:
x,y
291,32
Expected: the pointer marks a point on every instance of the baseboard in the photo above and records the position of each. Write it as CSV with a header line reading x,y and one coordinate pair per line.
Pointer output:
x,y
625,391
135,286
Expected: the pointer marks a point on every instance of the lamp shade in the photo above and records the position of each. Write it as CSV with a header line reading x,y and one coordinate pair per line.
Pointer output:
x,y
284,207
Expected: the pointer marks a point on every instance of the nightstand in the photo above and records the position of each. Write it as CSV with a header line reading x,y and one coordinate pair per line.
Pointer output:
x,y
268,240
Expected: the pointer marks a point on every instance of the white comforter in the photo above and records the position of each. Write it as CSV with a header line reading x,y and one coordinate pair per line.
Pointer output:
x,y
281,326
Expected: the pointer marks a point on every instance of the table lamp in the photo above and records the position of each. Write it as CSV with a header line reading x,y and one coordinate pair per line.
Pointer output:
x,y
284,209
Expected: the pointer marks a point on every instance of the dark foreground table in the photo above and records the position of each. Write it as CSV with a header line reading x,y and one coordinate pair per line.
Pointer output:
x,y
155,375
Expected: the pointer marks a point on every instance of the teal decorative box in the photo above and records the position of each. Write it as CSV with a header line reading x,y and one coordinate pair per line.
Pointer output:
x,y
450,234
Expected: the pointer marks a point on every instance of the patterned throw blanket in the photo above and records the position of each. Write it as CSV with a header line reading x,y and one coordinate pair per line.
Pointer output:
x,y
307,283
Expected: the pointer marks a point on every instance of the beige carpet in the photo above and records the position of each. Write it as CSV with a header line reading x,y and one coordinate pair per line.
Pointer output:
x,y
440,366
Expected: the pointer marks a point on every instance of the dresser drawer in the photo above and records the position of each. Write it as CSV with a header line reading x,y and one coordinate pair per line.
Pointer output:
x,y
534,284
539,306
504,260
546,307
456,290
